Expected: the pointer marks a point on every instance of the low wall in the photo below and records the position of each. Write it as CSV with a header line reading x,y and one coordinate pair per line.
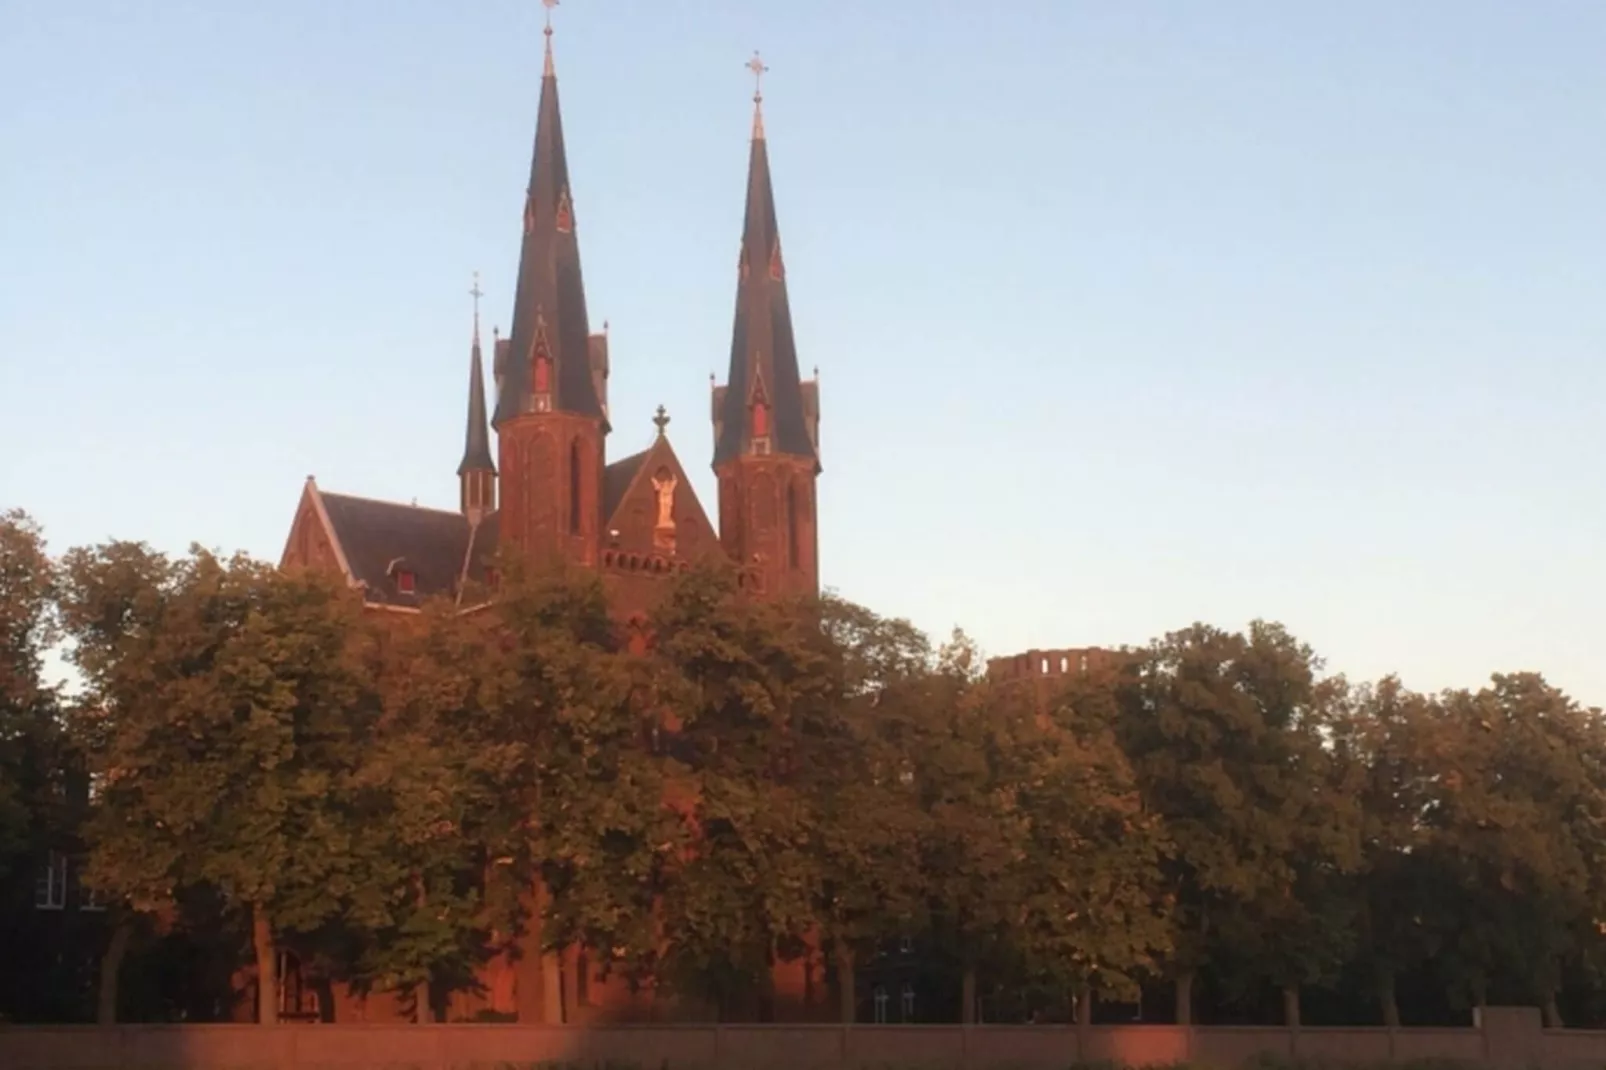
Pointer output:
x,y
1508,1039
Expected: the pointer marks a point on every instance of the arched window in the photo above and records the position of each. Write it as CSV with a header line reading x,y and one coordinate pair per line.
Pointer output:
x,y
793,536
574,487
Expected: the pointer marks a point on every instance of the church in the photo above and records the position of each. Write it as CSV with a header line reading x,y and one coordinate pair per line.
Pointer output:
x,y
547,491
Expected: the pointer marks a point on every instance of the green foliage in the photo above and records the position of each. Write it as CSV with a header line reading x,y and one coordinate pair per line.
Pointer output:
x,y
33,752
402,799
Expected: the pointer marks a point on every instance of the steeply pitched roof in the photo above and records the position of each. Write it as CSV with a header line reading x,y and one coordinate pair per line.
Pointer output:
x,y
616,479
763,350
378,539
549,306
477,440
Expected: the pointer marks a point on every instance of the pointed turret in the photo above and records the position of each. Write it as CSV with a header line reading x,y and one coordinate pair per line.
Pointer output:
x,y
765,416
762,410
476,473
549,368
549,418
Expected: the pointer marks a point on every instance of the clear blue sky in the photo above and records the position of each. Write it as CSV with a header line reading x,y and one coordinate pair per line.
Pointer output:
x,y
1127,314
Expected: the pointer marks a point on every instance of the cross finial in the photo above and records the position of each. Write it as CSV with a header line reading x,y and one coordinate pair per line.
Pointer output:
x,y
549,5
756,65
661,420
476,293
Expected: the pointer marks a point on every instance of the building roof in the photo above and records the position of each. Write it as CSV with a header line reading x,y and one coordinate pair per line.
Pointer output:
x,y
477,439
381,539
549,305
763,349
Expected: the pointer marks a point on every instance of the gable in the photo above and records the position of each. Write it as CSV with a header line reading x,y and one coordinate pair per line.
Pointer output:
x,y
644,490
311,544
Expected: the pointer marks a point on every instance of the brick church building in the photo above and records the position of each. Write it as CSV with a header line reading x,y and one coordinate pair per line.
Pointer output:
x,y
548,491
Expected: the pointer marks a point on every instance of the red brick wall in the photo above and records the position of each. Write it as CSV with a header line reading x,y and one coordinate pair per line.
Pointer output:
x,y
372,1047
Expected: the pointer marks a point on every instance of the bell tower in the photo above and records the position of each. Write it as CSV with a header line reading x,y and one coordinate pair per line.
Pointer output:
x,y
549,419
766,418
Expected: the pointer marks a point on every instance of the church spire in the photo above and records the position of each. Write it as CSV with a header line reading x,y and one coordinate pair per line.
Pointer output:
x,y
762,409
476,473
765,417
548,367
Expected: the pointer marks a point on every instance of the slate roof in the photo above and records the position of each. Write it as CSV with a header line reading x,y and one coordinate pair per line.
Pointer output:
x,y
616,479
550,295
381,538
762,344
477,440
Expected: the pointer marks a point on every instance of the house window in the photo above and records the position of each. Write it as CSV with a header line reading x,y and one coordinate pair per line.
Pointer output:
x,y
881,1001
906,946
908,1002
50,890
1082,665
404,581
492,577
90,900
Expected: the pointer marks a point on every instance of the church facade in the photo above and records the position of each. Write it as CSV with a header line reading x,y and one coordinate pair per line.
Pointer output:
x,y
546,489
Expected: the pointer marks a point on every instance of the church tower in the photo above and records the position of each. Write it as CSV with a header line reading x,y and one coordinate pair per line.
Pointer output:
x,y
549,420
476,475
766,444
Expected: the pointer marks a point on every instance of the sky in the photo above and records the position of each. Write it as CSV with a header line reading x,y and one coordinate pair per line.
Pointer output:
x,y
1127,314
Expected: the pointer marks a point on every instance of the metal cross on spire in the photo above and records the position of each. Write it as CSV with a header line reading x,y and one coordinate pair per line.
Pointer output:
x,y
756,65
549,5
661,420
476,293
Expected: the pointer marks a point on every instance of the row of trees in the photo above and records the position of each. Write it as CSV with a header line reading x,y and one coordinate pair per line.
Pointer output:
x,y
383,794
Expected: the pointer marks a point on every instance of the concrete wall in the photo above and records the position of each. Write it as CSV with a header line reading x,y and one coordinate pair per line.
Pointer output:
x,y
1509,1038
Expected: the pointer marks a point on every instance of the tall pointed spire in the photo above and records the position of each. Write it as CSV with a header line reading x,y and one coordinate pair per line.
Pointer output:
x,y
548,367
477,471
762,410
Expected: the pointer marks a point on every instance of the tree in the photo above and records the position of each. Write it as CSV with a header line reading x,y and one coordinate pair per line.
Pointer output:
x,y
568,797
1094,913
1388,735
860,784
968,765
230,715
1517,820
747,689
1226,734
30,741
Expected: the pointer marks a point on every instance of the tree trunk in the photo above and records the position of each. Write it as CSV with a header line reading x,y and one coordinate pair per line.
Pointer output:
x,y
420,1003
1389,999
267,967
111,965
551,988
1084,1008
1185,998
1291,1006
1552,1012
967,997
846,986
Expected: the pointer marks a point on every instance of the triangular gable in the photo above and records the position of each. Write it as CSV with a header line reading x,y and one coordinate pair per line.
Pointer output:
x,y
633,526
313,541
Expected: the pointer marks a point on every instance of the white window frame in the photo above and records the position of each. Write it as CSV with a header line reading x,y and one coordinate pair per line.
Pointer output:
x,y
908,1002
50,888
881,1000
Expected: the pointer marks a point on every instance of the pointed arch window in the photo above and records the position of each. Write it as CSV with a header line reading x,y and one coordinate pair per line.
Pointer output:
x,y
574,487
565,217
793,534
541,369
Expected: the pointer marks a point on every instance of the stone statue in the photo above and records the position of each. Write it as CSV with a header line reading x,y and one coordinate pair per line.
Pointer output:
x,y
663,483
